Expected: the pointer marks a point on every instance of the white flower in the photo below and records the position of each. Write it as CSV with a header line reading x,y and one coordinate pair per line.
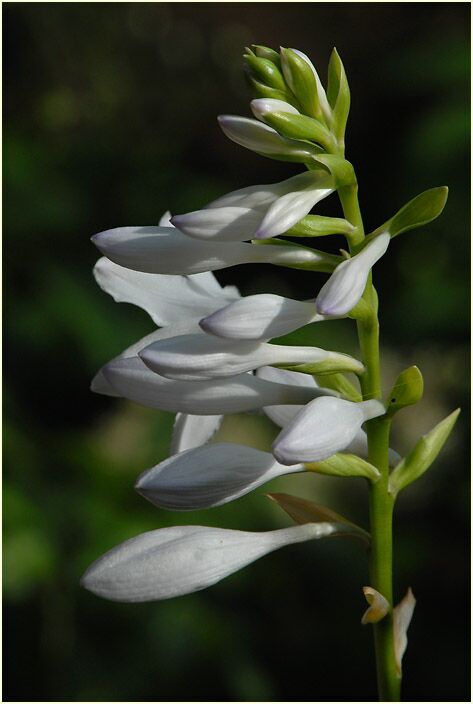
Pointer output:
x,y
198,357
162,250
263,139
259,212
236,394
260,317
345,287
322,428
169,562
209,476
262,106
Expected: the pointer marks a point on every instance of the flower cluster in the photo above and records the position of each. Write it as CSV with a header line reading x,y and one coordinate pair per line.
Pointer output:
x,y
212,352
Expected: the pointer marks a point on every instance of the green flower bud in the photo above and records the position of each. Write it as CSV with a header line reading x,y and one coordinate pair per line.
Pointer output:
x,y
264,52
319,226
338,94
344,465
422,455
301,80
260,90
300,127
265,71
407,390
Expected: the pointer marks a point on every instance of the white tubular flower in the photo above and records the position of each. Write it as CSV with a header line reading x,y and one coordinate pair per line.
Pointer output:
x,y
321,94
209,476
260,317
196,357
191,431
169,562
263,139
162,250
345,287
134,381
261,212
283,415
322,428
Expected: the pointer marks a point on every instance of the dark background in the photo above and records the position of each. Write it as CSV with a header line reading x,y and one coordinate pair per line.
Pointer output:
x,y
110,119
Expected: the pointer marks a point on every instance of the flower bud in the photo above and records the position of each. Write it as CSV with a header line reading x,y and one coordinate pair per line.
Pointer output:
x,y
265,71
338,94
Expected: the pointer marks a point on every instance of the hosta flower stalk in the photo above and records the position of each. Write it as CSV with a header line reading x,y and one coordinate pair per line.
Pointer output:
x,y
212,352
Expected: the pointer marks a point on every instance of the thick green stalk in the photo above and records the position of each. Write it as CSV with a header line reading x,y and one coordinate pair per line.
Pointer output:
x,y
381,501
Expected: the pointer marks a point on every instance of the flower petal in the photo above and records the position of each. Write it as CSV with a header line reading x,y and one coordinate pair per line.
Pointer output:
x,y
288,210
263,139
162,250
191,431
209,476
261,106
226,224
261,197
260,317
169,562
402,616
284,414
322,428
345,287
133,380
165,298
196,357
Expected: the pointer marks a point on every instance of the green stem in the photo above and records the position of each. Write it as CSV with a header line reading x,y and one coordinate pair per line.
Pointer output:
x,y
381,501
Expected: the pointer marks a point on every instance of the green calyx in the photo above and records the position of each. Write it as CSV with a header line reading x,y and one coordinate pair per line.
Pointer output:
x,y
301,127
320,226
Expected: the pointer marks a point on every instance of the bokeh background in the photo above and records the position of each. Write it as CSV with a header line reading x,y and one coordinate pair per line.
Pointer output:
x,y
110,119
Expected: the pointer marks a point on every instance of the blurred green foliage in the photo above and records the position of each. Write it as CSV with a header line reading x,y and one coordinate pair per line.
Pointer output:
x,y
110,120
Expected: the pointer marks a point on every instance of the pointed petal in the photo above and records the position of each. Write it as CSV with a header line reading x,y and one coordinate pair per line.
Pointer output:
x,y
323,428
191,431
345,287
288,210
180,560
165,298
226,224
209,476
165,219
134,381
260,317
262,196
163,250
196,357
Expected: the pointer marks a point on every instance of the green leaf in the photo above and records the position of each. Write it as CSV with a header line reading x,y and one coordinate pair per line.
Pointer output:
x,y
338,94
304,511
265,71
422,455
301,81
341,169
417,212
339,382
300,127
320,226
344,465
407,390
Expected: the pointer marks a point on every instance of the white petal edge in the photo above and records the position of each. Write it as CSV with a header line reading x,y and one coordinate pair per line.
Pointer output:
x,y
190,431
402,616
